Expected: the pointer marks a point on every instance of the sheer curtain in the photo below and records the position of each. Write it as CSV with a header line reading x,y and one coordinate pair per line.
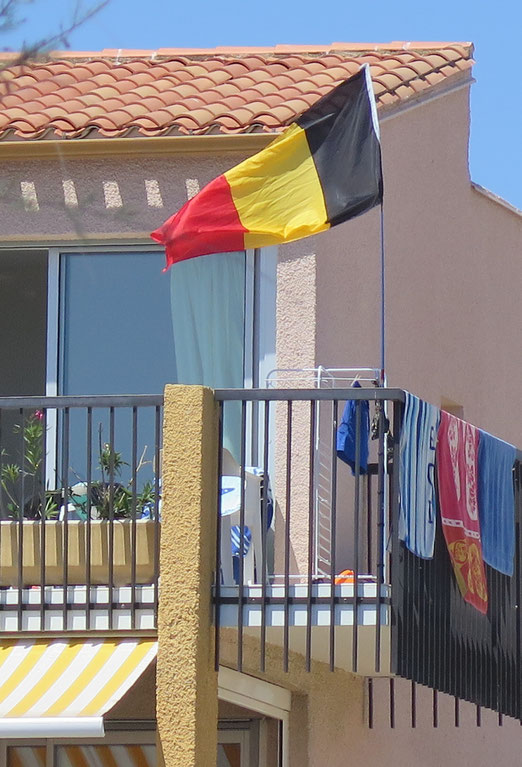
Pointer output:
x,y
208,321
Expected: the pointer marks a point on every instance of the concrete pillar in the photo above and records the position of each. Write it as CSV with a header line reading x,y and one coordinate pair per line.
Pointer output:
x,y
186,692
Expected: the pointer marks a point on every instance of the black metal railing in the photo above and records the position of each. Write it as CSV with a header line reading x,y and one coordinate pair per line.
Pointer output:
x,y
314,546
444,643
328,577
80,506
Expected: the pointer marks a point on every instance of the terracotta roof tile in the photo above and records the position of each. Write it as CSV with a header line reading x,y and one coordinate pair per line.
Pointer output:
x,y
223,90
229,89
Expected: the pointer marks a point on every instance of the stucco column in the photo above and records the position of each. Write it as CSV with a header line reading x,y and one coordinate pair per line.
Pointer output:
x,y
186,680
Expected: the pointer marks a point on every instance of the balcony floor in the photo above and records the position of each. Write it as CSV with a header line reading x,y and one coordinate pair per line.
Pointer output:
x,y
370,629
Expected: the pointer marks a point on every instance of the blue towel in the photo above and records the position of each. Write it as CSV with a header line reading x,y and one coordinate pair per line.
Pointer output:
x,y
346,436
496,502
417,509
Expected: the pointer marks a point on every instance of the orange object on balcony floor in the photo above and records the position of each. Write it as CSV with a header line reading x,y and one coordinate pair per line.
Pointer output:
x,y
346,576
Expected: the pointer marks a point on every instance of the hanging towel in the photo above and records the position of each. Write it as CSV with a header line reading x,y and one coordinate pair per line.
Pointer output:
x,y
496,502
346,434
457,449
417,509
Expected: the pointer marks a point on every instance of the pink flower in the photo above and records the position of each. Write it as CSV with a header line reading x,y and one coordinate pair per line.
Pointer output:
x,y
38,414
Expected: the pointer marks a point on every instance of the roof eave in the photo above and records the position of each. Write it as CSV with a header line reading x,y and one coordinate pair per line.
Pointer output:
x,y
173,143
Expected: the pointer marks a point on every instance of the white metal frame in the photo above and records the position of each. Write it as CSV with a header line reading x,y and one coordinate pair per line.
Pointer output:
x,y
260,696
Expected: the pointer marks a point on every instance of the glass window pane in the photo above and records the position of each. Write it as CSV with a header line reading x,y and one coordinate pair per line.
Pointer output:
x,y
23,298
116,328
26,756
229,755
106,756
126,328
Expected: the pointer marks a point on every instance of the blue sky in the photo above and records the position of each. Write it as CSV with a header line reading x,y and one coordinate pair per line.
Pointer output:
x,y
494,28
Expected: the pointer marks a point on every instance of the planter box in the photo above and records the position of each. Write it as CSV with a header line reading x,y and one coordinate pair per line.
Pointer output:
x,y
122,554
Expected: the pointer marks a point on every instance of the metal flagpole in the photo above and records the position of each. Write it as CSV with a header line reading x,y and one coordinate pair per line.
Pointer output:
x,y
383,430
383,302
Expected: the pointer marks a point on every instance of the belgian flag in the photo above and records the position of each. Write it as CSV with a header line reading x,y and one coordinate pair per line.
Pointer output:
x,y
323,170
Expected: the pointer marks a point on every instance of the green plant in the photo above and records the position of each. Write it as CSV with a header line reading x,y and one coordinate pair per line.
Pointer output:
x,y
25,481
110,497
111,494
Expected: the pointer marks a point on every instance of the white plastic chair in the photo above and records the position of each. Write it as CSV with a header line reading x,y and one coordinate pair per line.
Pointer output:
x,y
230,509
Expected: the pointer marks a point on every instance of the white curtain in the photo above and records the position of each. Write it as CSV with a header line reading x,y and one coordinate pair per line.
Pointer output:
x,y
208,320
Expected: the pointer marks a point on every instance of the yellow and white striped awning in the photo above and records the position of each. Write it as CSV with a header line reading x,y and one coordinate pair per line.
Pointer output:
x,y
62,688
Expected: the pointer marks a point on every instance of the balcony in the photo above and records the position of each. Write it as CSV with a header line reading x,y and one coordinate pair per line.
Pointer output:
x,y
79,513
322,574
333,583
308,565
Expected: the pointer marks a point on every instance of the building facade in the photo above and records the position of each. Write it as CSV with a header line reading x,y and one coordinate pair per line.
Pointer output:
x,y
283,663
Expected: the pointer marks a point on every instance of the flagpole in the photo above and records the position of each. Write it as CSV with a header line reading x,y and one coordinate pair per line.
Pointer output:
x,y
383,302
383,435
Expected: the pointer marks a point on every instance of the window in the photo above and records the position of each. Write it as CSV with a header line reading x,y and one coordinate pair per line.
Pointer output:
x,y
116,749
236,748
109,321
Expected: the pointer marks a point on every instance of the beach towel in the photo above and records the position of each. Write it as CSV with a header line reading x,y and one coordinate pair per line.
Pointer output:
x,y
496,502
417,508
457,459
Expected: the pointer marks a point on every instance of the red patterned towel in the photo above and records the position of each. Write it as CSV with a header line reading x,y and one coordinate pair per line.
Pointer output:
x,y
457,450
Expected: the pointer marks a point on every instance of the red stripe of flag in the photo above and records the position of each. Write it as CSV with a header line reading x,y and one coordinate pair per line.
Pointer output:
x,y
192,230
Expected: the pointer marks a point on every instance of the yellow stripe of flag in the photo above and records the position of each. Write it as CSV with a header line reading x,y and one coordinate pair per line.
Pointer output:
x,y
277,193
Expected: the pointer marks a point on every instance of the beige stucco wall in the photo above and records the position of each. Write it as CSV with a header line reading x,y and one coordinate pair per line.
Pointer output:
x,y
104,212
329,719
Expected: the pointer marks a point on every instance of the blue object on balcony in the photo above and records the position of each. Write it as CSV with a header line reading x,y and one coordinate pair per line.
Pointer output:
x,y
347,436
235,534
496,502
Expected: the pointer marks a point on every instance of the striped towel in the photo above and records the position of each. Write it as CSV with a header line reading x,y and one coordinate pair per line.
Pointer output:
x,y
417,509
